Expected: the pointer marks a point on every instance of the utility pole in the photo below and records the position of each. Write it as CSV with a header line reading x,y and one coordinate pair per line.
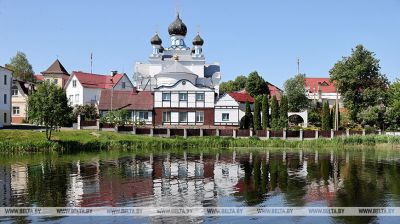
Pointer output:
x,y
91,62
298,66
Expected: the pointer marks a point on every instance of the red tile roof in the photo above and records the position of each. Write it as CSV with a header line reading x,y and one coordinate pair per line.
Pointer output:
x,y
131,100
89,80
274,91
322,84
39,77
241,96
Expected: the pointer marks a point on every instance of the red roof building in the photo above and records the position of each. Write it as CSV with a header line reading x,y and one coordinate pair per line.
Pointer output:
x,y
89,80
241,96
320,84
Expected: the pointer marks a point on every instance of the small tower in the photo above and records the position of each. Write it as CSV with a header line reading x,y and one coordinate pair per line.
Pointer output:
x,y
177,31
56,74
197,44
156,43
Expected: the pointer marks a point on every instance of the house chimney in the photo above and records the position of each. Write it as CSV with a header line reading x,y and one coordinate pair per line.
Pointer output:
x,y
113,73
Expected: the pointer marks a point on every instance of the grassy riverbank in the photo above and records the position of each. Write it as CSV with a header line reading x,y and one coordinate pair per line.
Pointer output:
x,y
20,142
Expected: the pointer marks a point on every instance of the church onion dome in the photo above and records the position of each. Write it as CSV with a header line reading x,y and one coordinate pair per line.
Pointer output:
x,y
198,41
156,40
177,28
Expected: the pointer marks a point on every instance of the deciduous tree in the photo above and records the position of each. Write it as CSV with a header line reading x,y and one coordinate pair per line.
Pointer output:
x,y
21,67
359,81
49,106
296,93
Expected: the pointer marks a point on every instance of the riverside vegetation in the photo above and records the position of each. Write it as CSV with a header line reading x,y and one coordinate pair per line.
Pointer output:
x,y
22,142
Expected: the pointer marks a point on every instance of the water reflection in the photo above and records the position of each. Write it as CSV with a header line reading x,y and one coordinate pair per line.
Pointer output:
x,y
223,178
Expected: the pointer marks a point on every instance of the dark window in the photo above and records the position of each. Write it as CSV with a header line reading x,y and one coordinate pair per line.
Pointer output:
x,y
183,97
5,99
166,96
200,96
183,117
166,116
225,116
5,80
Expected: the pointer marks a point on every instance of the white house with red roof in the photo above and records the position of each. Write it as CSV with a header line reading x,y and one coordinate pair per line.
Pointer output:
x,y
85,88
322,90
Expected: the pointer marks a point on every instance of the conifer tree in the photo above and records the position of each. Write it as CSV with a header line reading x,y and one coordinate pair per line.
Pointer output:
x,y
325,117
265,112
256,113
274,113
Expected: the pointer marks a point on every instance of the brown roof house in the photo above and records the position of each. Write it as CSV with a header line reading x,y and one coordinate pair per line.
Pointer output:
x,y
56,73
138,103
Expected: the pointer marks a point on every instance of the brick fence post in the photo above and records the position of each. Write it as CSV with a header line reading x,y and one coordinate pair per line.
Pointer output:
x,y
234,133
268,134
168,132
184,133
201,132
301,135
284,133
363,132
316,134
133,130
217,132
332,134
151,131
347,132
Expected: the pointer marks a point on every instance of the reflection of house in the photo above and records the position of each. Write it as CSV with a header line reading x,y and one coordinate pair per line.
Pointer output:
x,y
5,96
85,88
139,104
322,90
20,92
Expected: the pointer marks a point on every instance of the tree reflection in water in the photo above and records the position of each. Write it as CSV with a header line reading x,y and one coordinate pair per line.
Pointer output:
x,y
221,178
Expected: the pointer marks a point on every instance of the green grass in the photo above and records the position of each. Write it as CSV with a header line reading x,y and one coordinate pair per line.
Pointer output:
x,y
21,142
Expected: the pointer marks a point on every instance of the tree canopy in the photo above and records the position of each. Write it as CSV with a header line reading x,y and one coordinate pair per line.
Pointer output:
x,y
48,106
359,81
392,114
233,85
296,93
256,85
21,68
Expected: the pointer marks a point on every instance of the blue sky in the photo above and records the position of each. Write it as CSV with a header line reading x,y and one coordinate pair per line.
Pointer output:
x,y
243,36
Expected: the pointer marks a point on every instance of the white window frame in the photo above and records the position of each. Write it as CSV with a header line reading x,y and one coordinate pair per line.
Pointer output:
x,y
74,83
200,114
15,111
143,115
166,116
13,89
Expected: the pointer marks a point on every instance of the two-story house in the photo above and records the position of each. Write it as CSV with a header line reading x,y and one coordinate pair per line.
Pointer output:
x,y
85,88
5,96
20,91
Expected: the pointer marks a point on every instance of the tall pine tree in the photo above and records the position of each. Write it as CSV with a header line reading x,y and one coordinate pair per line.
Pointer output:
x,y
265,112
274,113
284,112
326,118
246,121
256,113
